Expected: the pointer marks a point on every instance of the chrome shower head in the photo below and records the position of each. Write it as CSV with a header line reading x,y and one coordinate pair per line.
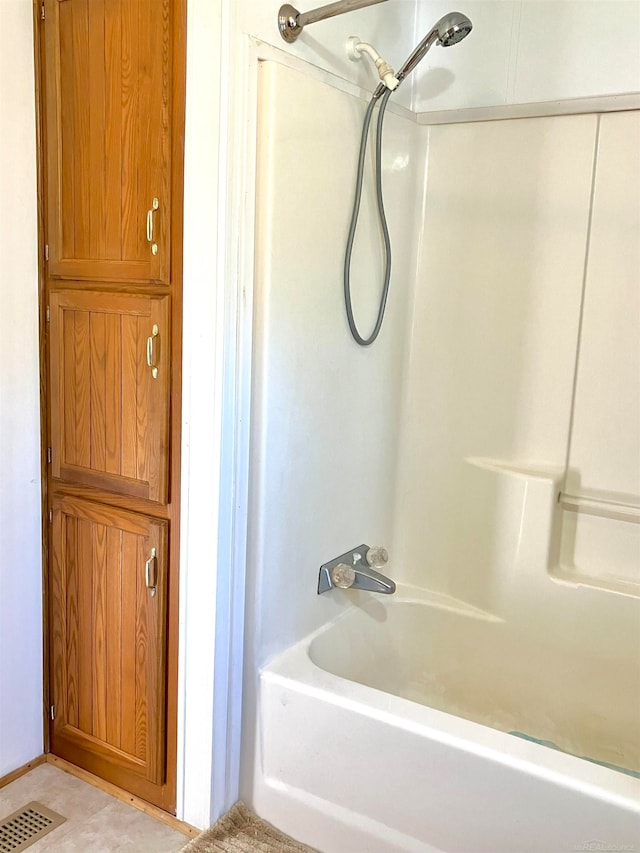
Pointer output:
x,y
453,28
449,30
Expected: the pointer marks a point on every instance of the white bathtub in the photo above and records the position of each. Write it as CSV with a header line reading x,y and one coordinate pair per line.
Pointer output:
x,y
400,712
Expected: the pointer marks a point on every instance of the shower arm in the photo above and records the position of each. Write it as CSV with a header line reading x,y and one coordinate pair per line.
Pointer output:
x,y
291,22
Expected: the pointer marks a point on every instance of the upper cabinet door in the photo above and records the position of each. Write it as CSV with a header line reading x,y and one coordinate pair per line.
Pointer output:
x,y
108,146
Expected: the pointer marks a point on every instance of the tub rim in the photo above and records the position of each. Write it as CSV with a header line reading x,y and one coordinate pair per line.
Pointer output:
x,y
295,670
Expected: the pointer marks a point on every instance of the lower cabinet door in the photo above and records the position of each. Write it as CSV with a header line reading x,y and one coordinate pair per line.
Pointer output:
x,y
108,593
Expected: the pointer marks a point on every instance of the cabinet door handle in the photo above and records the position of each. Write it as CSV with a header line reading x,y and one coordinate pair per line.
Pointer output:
x,y
151,573
151,356
155,204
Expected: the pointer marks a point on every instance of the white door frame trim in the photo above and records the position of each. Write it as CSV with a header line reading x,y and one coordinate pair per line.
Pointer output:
x,y
220,146
203,335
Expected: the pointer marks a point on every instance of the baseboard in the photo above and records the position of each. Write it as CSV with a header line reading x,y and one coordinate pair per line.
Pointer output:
x,y
124,796
20,771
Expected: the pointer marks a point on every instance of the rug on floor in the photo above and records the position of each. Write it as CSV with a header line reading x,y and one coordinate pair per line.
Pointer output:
x,y
242,831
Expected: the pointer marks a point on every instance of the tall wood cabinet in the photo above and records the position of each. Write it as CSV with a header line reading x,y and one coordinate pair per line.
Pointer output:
x,y
111,97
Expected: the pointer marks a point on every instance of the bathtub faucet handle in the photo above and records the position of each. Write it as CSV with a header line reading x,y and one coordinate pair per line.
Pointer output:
x,y
343,575
377,557
354,570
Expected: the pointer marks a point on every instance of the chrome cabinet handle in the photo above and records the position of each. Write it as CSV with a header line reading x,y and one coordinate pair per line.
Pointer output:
x,y
151,358
155,204
151,573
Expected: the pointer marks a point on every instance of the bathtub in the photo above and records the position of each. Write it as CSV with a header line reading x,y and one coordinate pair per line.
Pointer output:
x,y
414,724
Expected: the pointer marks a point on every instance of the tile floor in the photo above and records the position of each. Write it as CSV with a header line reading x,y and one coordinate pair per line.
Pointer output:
x,y
96,822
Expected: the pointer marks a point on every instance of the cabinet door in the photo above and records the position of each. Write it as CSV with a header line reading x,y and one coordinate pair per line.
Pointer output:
x,y
109,358
108,152
108,633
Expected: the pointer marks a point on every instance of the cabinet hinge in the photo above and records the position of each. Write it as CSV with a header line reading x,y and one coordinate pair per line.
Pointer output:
x,y
50,516
48,314
42,13
49,455
46,251
52,712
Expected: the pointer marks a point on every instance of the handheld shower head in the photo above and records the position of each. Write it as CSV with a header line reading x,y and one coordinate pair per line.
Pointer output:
x,y
452,28
449,30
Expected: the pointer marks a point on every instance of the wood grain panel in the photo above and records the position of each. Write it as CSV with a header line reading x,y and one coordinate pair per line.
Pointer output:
x,y
142,420
130,204
120,170
84,627
129,437
112,701
66,152
141,653
129,602
98,637
108,102
110,417
98,362
68,368
97,128
144,132
113,121
58,631
156,620
114,637
76,89
72,650
115,382
82,388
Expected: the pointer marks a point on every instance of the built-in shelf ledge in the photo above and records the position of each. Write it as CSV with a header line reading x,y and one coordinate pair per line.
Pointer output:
x,y
575,578
540,109
517,469
600,506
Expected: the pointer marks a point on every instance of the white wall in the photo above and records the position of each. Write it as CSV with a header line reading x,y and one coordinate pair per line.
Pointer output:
x,y
525,51
21,707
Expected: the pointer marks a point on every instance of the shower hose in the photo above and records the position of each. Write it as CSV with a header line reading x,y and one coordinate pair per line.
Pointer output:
x,y
365,342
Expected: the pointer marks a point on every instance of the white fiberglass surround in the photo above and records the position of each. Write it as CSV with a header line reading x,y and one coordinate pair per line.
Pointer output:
x,y
448,442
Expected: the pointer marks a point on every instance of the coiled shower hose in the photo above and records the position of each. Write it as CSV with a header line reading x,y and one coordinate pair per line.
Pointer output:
x,y
365,342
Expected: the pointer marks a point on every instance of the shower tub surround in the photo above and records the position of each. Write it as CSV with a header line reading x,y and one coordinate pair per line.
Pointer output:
x,y
490,705
428,724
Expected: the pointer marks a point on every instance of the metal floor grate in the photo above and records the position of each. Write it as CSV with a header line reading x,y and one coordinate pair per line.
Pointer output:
x,y
23,828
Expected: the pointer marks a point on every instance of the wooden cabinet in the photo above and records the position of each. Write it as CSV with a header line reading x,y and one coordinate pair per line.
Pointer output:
x,y
109,364
111,91
108,115
108,605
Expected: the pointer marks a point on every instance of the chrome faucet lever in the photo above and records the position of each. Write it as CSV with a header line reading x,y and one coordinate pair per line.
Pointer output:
x,y
354,570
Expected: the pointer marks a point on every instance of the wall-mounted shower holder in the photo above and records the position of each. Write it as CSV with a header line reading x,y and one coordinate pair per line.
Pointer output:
x,y
355,51
355,570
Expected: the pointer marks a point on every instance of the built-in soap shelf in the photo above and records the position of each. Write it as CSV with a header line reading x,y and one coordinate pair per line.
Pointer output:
x,y
517,469
601,506
593,539
599,542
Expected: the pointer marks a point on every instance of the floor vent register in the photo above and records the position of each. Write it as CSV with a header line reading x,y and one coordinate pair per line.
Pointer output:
x,y
23,828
